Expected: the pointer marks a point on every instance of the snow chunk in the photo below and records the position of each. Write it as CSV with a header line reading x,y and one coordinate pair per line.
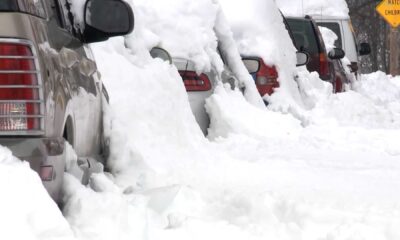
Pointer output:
x,y
27,211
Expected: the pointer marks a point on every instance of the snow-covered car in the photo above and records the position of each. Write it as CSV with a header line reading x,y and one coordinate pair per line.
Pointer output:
x,y
343,28
50,88
308,38
200,86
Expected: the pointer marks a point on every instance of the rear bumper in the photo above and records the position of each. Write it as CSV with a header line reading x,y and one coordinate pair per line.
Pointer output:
x,y
40,153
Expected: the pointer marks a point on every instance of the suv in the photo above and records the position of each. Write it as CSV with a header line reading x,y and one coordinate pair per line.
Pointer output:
x,y
50,89
308,38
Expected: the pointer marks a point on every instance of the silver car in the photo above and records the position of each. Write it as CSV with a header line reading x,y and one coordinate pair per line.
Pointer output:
x,y
201,86
50,89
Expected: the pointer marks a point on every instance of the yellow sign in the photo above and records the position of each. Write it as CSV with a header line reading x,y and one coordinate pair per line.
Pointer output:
x,y
390,11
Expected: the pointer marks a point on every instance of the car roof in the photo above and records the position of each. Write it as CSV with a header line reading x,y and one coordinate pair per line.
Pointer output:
x,y
328,17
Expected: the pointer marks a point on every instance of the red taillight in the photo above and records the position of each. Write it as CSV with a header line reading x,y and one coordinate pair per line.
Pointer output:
x,y
324,70
46,173
267,79
195,82
19,88
338,85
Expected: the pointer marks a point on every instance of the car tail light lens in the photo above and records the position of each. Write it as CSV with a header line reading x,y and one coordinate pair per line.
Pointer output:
x,y
46,173
20,91
267,75
338,85
195,82
324,69
266,79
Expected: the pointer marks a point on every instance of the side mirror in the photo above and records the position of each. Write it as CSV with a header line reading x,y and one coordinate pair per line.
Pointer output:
x,y
365,49
158,52
252,64
105,19
302,58
336,53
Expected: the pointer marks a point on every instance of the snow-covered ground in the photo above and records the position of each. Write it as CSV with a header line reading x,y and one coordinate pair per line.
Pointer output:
x,y
328,171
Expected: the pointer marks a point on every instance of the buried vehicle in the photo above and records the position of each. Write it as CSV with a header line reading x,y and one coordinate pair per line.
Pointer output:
x,y
308,38
50,89
200,86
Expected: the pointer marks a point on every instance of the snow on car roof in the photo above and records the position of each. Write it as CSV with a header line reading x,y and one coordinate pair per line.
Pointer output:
x,y
336,8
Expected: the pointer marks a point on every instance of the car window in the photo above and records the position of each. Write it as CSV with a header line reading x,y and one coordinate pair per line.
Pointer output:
x,y
33,7
65,17
304,35
8,5
335,27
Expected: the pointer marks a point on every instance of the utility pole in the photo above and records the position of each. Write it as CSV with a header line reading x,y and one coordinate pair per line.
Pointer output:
x,y
394,52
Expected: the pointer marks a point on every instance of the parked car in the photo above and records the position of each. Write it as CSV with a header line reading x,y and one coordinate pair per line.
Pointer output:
x,y
200,86
265,76
50,89
308,38
346,38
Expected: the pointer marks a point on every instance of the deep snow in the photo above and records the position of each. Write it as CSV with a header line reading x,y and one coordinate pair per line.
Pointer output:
x,y
328,171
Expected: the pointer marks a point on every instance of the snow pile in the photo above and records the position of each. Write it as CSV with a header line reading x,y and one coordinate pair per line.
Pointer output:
x,y
190,30
337,8
333,179
372,104
259,31
224,106
27,211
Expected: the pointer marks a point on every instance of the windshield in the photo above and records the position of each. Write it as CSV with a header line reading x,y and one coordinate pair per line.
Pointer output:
x,y
8,5
33,7
304,35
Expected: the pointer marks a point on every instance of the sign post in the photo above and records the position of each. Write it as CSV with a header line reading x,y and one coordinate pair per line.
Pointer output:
x,y
390,11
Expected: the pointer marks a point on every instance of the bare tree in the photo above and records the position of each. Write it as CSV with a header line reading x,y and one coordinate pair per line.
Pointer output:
x,y
371,27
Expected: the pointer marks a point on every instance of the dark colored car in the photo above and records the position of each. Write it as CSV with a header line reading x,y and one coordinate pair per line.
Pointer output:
x,y
308,38
50,88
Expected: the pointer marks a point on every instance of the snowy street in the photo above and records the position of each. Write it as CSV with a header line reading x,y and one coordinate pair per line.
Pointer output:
x,y
312,165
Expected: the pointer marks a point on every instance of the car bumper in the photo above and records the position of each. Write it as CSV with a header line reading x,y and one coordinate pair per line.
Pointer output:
x,y
46,156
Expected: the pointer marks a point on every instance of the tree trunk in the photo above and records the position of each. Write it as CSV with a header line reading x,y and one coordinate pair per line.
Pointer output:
x,y
394,53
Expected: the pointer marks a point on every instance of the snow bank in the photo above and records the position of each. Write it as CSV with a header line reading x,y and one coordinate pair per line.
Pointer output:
x,y
190,30
337,8
224,107
27,211
327,172
373,103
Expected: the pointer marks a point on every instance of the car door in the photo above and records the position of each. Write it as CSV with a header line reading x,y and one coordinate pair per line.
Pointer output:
x,y
78,74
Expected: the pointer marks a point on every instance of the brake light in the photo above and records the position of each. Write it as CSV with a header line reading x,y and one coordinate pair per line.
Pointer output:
x,y
267,75
20,92
324,69
195,82
266,79
338,88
